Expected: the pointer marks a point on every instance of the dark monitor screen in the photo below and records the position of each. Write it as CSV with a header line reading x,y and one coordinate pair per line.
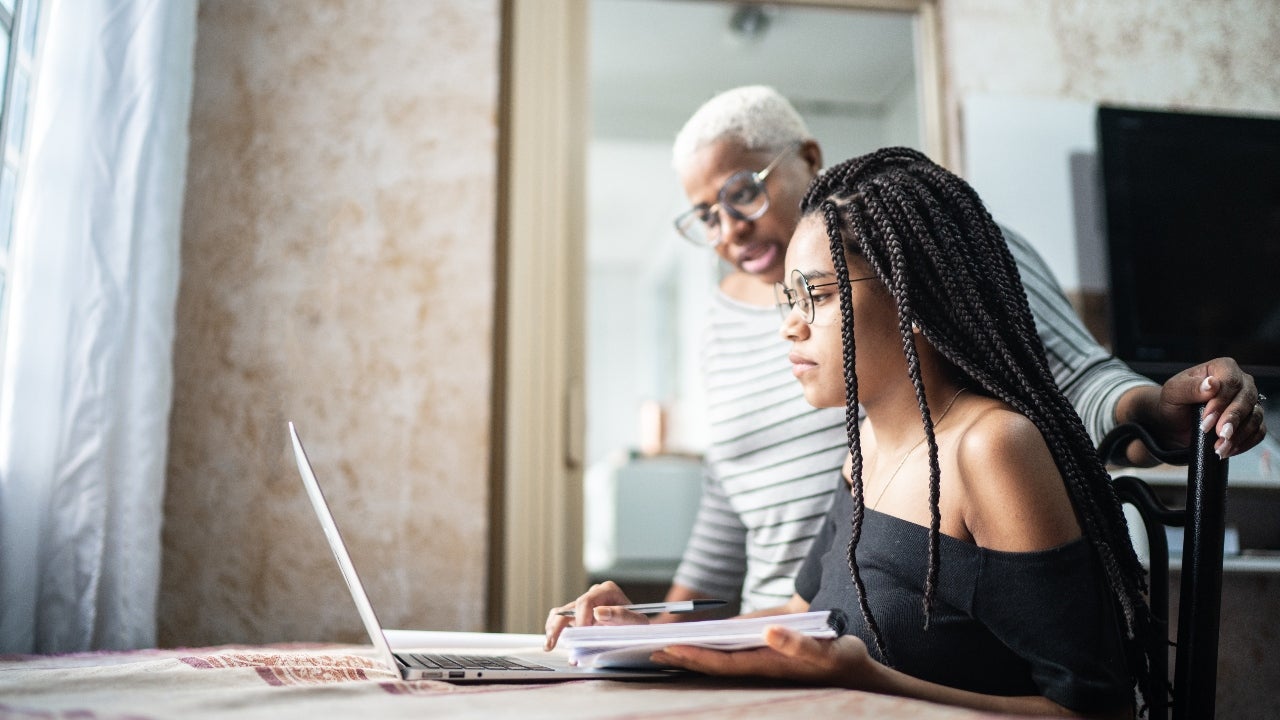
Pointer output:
x,y
1193,232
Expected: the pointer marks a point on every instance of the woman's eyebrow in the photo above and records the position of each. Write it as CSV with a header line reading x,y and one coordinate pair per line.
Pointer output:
x,y
819,274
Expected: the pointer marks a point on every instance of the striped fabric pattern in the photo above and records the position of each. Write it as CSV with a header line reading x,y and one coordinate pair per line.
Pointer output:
x,y
769,462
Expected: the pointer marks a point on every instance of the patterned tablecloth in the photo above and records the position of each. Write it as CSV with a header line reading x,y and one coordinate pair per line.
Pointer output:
x,y
342,681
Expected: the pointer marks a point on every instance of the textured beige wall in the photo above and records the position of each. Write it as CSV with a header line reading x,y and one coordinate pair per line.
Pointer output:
x,y
1184,54
338,264
1171,53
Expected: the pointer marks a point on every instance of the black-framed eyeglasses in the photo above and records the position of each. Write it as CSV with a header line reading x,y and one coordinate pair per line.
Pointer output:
x,y
742,197
800,295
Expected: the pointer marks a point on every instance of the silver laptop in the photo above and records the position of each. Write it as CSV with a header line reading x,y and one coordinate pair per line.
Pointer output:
x,y
452,667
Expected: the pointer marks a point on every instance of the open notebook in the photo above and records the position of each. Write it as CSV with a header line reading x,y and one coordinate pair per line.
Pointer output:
x,y
473,666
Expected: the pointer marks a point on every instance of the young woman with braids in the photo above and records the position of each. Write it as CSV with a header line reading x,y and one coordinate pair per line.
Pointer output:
x,y
975,547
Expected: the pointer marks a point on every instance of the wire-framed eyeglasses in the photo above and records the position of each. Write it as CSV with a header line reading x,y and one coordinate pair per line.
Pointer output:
x,y
800,295
742,197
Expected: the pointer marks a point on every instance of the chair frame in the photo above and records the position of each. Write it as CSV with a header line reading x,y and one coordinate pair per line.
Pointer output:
x,y
1200,596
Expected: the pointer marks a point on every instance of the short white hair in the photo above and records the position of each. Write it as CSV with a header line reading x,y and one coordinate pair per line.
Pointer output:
x,y
755,117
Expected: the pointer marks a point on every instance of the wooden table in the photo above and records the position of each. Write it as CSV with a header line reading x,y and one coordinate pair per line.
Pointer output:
x,y
343,681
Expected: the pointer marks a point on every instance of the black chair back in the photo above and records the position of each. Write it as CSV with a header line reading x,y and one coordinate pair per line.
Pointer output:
x,y
1195,677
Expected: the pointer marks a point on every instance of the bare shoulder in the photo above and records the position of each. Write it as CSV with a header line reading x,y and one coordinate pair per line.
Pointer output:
x,y
1015,498
998,432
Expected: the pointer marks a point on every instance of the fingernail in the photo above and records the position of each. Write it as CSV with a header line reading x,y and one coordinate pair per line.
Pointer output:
x,y
1227,429
1223,450
1207,385
1209,421
603,613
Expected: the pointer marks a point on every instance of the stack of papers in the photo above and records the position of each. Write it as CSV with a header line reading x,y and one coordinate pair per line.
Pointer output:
x,y
629,646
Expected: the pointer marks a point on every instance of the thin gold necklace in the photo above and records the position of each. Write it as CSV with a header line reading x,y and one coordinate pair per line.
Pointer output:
x,y
907,454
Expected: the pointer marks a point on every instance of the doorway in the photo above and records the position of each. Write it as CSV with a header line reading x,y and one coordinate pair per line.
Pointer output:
x,y
540,413
851,73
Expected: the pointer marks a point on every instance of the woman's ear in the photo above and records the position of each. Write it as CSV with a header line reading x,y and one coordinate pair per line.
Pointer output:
x,y
812,155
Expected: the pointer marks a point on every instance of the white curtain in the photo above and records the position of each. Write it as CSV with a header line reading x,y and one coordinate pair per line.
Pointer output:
x,y
87,361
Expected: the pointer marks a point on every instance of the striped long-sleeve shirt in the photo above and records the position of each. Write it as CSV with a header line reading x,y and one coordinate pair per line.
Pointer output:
x,y
771,456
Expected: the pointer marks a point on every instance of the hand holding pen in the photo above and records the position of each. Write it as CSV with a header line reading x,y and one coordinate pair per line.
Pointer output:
x,y
606,604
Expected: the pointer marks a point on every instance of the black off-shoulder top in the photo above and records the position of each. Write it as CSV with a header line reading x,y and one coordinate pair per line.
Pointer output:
x,y
1003,623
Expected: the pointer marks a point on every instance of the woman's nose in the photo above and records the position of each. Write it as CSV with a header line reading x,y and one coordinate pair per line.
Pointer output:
x,y
793,326
732,229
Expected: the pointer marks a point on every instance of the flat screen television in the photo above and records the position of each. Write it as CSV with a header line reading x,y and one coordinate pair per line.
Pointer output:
x,y
1192,207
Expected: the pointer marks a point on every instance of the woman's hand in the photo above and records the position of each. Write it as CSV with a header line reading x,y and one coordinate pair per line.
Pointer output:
x,y
844,662
600,605
789,655
1232,409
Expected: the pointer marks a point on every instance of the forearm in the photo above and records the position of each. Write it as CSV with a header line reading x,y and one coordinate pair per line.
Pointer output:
x,y
679,592
888,681
796,604
1103,395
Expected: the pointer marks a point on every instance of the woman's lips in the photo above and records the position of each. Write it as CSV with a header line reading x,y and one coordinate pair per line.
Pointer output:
x,y
800,364
758,259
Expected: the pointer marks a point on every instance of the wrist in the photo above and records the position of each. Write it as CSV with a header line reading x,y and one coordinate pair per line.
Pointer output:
x,y
1138,405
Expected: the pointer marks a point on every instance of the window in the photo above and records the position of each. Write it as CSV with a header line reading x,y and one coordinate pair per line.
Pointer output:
x,y
18,21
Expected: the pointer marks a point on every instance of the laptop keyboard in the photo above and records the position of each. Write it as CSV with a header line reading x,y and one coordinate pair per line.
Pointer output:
x,y
466,662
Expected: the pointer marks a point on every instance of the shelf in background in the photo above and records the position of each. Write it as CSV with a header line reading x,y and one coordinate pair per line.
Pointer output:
x,y
1247,563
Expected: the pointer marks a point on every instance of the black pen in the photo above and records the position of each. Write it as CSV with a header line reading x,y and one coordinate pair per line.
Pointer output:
x,y
681,606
